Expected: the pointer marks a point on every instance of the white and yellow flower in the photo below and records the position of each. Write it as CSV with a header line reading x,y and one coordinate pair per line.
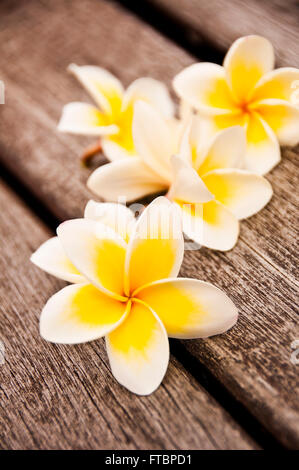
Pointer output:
x,y
207,181
51,256
112,118
130,294
246,91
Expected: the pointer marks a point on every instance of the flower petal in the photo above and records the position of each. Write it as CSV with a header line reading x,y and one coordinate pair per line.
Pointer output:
x,y
153,139
124,137
227,150
117,216
189,308
263,151
153,92
185,111
83,118
187,185
114,151
129,179
156,247
105,89
80,313
247,60
242,192
51,257
204,87
185,149
283,118
282,84
138,350
97,251
213,124
210,225
193,142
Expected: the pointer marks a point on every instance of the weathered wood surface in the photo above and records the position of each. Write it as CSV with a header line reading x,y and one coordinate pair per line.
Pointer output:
x,y
221,22
253,360
46,86
55,396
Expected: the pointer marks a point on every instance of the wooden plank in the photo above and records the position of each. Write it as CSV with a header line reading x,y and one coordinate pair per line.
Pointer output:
x,y
45,86
55,396
47,162
254,360
220,22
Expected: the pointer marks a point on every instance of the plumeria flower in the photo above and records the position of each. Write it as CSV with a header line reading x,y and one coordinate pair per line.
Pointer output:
x,y
51,256
207,181
247,91
112,118
136,177
131,295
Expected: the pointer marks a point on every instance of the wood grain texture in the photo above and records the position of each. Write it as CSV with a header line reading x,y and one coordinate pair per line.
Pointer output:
x,y
55,396
45,86
221,22
253,360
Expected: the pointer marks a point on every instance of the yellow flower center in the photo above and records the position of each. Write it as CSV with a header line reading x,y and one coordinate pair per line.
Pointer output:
x,y
245,107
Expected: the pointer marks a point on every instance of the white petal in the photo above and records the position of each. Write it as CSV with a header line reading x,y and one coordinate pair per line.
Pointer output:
x,y
189,308
114,151
262,152
193,142
212,125
117,216
210,224
105,89
204,87
153,92
153,139
247,60
177,129
282,117
127,179
80,313
187,185
156,247
138,351
97,251
185,111
51,257
82,118
185,150
282,84
227,150
242,192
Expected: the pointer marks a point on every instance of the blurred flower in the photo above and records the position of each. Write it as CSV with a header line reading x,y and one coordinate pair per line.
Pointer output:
x,y
246,91
206,181
112,120
131,295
